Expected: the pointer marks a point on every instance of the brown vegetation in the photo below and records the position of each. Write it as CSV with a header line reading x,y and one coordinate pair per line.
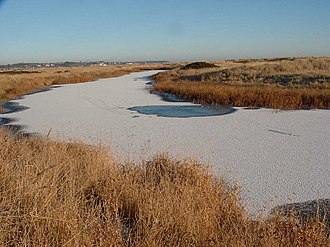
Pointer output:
x,y
268,96
302,83
17,83
70,194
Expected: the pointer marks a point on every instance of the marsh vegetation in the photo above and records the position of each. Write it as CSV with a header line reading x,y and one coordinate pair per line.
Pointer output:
x,y
70,194
296,83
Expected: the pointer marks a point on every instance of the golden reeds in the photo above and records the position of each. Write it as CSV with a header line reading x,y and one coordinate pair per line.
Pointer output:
x,y
269,96
69,194
299,84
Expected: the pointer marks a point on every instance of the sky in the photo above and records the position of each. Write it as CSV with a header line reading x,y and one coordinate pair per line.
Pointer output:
x,y
172,30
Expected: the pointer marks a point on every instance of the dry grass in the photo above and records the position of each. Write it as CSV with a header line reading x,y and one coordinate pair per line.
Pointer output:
x,y
69,194
300,83
269,96
300,72
13,84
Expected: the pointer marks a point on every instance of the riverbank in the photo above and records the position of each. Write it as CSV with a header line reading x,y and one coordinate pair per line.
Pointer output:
x,y
17,83
69,193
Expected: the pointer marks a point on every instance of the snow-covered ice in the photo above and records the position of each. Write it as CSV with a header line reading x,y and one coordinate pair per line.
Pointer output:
x,y
276,156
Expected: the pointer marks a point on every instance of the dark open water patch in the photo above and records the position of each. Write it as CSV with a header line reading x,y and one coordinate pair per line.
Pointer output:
x,y
168,97
7,123
307,210
15,129
183,111
4,121
11,107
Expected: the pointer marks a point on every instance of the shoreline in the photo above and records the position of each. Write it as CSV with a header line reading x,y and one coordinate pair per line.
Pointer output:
x,y
129,133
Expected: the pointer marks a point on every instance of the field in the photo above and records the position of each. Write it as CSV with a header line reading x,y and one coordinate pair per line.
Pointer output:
x,y
82,197
288,83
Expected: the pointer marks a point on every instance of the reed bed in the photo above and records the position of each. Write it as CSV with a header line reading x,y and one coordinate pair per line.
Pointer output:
x,y
301,83
269,96
57,193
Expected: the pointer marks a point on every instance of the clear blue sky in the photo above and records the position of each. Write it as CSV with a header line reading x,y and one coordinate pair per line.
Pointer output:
x,y
175,30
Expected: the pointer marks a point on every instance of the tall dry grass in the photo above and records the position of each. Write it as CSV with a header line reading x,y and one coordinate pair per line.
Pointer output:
x,y
16,84
269,96
70,194
302,83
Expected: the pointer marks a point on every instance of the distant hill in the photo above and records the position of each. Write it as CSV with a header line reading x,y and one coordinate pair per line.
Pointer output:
x,y
199,65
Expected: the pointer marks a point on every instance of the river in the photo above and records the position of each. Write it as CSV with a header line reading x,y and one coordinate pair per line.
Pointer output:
x,y
275,156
